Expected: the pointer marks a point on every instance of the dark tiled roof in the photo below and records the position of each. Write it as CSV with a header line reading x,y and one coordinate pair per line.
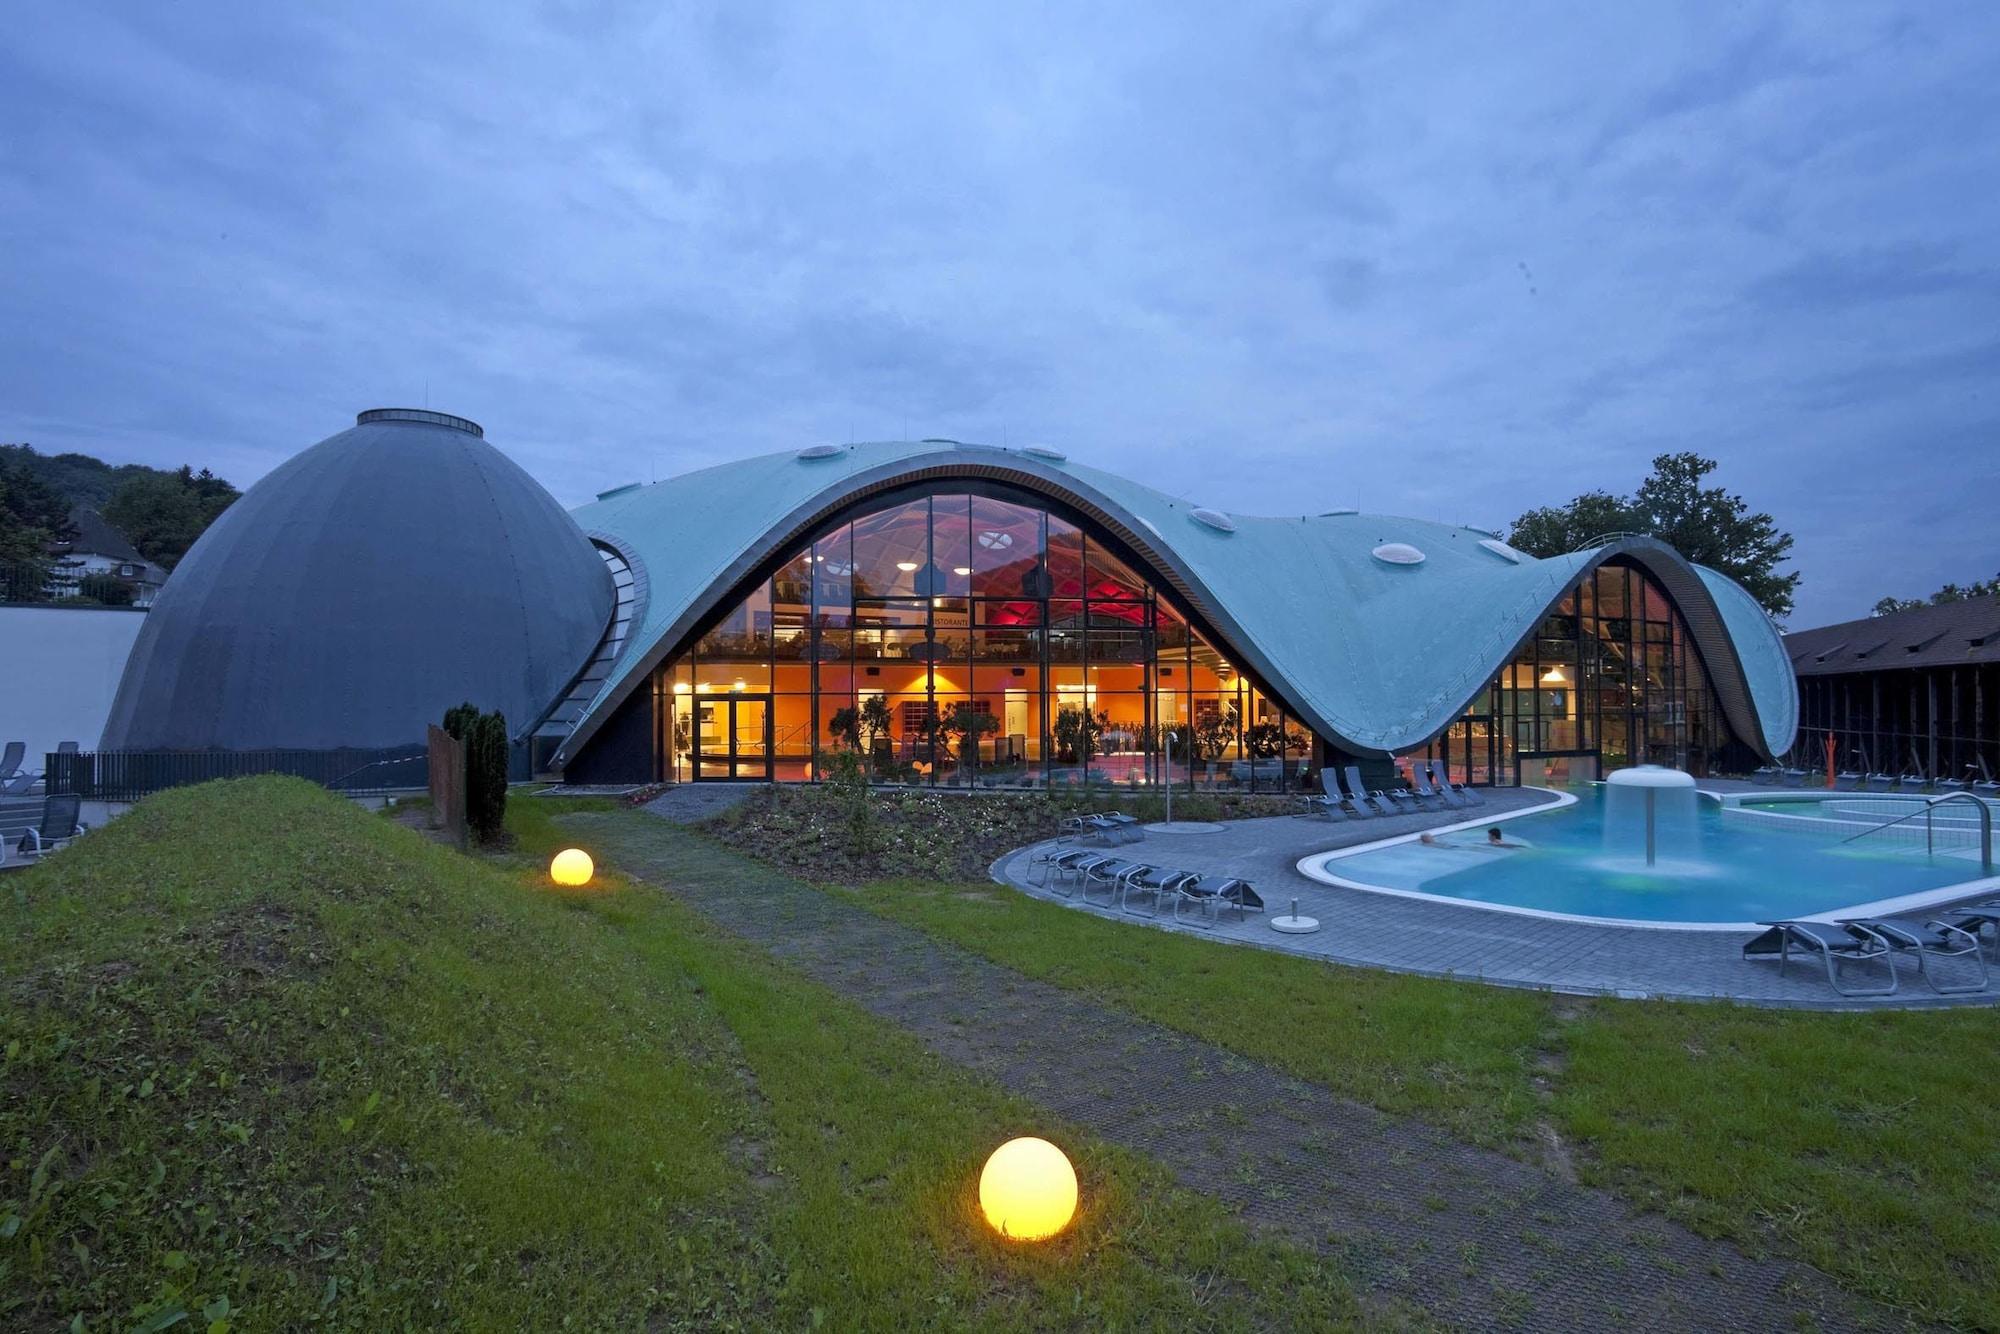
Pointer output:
x,y
96,537
1951,635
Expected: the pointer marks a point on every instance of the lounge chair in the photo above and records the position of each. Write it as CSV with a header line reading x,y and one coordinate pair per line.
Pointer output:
x,y
1361,792
1420,783
1979,919
1330,801
20,784
1464,791
1834,943
1055,866
1440,783
1357,802
1952,784
10,763
1765,774
1215,894
1880,781
1929,938
59,824
1108,874
1155,881
1852,780
1986,782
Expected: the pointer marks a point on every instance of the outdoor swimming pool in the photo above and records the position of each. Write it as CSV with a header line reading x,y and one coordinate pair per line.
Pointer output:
x,y
1735,871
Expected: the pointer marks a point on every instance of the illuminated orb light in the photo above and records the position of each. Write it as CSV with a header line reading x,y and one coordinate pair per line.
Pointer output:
x,y
572,867
1028,1189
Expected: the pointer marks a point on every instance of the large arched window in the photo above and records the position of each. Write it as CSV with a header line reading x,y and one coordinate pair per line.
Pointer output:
x,y
967,638
1610,677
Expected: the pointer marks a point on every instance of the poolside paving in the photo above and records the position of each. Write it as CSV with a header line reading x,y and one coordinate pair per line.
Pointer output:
x,y
1388,931
1466,1236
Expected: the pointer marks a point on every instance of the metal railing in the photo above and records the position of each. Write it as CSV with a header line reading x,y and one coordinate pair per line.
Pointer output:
x,y
128,775
1929,811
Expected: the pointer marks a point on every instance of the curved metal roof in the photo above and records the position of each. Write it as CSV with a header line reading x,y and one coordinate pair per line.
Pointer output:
x,y
358,591
1375,655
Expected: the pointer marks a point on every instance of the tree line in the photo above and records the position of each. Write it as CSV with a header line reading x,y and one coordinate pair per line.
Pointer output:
x,y
160,511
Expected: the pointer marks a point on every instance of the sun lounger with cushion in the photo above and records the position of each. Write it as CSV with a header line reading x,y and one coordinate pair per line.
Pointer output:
x,y
59,824
1930,939
1834,943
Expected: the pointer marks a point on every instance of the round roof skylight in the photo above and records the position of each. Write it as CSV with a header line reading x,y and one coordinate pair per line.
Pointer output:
x,y
1044,452
1215,519
995,540
1398,553
819,451
1334,514
1501,549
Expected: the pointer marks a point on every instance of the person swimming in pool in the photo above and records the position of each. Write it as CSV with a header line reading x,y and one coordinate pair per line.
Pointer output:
x,y
1494,839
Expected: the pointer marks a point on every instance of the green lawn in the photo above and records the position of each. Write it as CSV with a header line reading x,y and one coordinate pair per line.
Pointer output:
x,y
1866,1144
270,1061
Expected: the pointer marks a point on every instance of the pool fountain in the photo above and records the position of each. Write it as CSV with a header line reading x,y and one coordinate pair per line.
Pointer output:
x,y
1655,805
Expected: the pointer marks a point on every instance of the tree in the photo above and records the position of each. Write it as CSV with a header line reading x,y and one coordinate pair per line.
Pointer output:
x,y
164,512
1554,530
966,724
33,516
1706,524
1949,593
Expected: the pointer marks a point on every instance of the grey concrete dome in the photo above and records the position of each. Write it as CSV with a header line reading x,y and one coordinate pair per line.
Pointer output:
x,y
360,590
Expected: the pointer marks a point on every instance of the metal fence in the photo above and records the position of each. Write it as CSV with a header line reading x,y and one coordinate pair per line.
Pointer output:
x,y
128,775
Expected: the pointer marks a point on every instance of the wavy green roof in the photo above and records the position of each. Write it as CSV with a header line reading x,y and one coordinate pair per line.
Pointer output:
x,y
1376,656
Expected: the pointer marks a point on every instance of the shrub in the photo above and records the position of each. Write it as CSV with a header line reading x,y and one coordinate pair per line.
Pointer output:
x,y
486,776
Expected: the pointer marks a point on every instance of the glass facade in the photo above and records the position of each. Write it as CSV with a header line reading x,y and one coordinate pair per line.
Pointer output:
x,y
961,639
983,639
1609,679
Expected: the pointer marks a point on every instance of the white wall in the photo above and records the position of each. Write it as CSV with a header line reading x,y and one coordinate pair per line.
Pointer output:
x,y
59,668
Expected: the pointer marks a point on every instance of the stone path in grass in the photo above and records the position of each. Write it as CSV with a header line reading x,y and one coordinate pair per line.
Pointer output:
x,y
1472,1238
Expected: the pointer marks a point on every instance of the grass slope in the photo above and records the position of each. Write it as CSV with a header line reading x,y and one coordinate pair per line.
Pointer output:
x,y
1864,1143
270,1061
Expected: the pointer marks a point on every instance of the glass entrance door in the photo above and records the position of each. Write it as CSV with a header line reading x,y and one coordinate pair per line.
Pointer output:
x,y
734,738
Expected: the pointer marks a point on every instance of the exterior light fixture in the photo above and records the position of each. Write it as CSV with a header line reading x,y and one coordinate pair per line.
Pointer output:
x,y
1028,1190
572,868
1554,677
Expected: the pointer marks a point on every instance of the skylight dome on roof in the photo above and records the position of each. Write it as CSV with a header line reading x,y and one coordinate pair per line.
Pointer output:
x,y
1501,549
993,539
818,452
1044,452
1398,553
1215,519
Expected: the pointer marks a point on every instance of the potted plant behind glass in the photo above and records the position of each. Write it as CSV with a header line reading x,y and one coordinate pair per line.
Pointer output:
x,y
966,725
1213,733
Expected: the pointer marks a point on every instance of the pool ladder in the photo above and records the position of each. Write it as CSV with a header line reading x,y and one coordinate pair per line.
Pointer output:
x,y
1930,830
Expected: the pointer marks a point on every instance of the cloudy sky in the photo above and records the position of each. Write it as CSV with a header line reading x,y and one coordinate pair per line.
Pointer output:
x,y
1441,260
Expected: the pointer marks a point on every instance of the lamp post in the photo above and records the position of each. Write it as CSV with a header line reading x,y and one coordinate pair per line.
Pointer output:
x,y
1169,777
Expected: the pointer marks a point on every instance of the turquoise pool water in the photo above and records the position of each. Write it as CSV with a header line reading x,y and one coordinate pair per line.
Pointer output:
x,y
1736,874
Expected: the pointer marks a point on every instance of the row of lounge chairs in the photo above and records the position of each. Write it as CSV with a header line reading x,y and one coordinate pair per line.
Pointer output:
x,y
1347,797
1069,871
1978,778
1864,944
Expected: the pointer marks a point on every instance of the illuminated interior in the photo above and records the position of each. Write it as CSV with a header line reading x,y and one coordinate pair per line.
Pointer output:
x,y
953,603
1610,678
1012,645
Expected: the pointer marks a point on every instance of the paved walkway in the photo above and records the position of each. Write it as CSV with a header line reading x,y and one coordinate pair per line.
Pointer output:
x,y
1446,940
691,803
1472,1238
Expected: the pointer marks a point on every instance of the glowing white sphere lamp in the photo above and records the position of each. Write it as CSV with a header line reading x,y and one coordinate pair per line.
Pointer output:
x,y
572,868
1028,1189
